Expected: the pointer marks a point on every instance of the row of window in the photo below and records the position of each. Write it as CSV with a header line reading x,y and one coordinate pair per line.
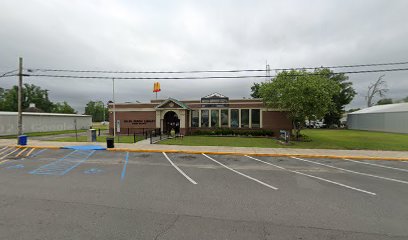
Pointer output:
x,y
225,118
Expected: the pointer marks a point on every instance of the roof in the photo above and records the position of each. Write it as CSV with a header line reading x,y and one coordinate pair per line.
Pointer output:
x,y
43,114
215,95
181,104
396,107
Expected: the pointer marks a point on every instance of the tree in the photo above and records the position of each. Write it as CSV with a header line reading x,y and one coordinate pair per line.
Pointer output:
x,y
353,110
31,94
255,90
2,94
63,107
385,101
96,110
305,96
341,98
405,99
378,88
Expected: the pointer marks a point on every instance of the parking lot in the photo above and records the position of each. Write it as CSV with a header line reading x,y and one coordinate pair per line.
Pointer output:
x,y
88,194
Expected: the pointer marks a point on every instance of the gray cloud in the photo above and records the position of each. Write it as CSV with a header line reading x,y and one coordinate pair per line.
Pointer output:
x,y
191,35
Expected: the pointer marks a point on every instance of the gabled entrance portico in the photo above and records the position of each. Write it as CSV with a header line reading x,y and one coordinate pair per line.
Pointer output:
x,y
172,114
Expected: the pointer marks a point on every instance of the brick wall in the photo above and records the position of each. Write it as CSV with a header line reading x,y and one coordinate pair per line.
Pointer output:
x,y
276,121
134,122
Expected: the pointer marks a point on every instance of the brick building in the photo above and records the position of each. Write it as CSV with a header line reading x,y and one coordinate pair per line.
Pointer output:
x,y
187,116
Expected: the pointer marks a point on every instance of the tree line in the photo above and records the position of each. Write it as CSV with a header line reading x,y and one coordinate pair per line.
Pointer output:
x,y
317,95
31,94
35,94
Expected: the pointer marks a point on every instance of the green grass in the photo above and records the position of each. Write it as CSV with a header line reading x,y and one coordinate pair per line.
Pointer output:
x,y
122,139
98,125
320,139
40,134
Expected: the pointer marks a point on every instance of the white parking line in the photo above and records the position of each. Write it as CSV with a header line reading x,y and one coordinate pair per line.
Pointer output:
x,y
377,165
178,169
351,171
10,153
240,173
319,178
4,150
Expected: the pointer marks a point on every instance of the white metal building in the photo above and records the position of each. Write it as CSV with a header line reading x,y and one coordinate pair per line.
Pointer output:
x,y
383,118
43,122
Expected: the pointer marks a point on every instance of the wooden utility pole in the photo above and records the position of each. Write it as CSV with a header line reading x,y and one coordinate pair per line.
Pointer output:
x,y
20,97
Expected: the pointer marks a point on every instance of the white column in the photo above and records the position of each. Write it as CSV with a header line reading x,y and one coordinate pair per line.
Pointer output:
x,y
250,118
260,118
209,118
219,117
199,117
229,117
239,118
158,115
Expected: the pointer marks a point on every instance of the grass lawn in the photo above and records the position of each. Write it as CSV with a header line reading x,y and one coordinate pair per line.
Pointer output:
x,y
98,125
320,138
39,134
122,139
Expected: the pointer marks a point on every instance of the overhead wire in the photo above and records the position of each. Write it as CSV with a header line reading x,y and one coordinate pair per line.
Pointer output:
x,y
7,74
214,71
209,77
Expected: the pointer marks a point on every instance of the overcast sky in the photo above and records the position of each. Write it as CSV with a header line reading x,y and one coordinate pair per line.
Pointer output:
x,y
175,35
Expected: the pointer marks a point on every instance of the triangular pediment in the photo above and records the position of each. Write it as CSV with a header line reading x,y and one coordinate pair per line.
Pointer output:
x,y
215,95
172,103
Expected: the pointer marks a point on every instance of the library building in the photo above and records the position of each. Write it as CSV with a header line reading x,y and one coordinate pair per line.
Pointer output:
x,y
187,116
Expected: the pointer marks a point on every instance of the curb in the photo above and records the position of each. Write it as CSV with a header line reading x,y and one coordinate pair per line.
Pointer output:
x,y
260,154
37,147
233,153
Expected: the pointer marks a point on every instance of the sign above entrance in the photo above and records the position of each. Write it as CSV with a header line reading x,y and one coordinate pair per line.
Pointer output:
x,y
139,121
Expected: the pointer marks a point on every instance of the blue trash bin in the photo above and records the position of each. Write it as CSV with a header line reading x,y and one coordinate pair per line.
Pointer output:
x,y
22,140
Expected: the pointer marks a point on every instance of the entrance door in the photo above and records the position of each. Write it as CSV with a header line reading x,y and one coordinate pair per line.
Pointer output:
x,y
171,121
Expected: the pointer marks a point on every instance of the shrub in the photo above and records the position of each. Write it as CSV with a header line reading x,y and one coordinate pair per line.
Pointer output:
x,y
233,132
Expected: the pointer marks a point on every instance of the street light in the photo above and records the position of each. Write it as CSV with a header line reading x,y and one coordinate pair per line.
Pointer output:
x,y
114,108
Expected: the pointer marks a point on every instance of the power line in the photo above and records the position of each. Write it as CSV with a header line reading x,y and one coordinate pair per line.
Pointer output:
x,y
208,77
213,71
6,74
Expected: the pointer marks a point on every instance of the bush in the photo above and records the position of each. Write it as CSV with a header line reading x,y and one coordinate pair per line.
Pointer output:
x,y
233,132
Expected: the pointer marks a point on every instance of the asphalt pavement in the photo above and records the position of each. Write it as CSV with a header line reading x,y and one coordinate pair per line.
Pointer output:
x,y
86,194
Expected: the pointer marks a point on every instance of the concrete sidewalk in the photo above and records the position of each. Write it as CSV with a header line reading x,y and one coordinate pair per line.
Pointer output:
x,y
145,146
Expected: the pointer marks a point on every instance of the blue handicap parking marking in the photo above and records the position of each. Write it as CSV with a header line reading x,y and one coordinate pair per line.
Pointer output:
x,y
122,177
65,164
37,153
18,166
93,171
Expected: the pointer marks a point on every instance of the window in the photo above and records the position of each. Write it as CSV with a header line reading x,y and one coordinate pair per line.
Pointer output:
x,y
244,118
215,121
234,118
256,118
194,118
224,118
204,118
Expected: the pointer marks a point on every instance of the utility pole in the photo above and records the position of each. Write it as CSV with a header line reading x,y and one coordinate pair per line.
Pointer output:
x,y
20,97
103,106
114,108
267,72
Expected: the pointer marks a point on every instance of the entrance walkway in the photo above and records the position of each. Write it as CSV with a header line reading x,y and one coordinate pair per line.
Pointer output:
x,y
146,146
